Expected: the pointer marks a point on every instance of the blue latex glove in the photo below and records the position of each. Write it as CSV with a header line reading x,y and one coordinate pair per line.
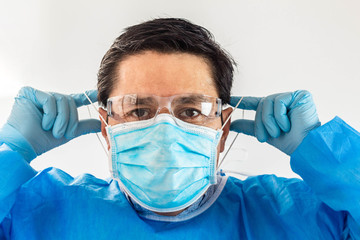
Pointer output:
x,y
282,120
40,121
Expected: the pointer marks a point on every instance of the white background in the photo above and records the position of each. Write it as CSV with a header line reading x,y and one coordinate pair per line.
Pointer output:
x,y
278,45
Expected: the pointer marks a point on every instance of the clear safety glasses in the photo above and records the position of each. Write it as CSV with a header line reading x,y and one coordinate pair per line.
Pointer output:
x,y
192,108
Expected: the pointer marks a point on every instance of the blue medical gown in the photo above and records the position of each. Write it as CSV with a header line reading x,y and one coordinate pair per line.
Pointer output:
x,y
326,205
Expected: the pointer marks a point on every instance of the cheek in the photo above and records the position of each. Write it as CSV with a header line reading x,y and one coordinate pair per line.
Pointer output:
x,y
215,124
112,121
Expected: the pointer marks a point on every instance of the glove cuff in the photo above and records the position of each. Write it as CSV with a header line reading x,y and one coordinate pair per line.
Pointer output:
x,y
17,142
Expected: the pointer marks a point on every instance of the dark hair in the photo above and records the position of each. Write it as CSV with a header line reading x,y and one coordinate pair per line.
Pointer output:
x,y
167,35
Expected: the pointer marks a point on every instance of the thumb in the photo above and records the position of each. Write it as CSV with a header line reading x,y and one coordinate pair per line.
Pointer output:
x,y
243,126
81,100
88,126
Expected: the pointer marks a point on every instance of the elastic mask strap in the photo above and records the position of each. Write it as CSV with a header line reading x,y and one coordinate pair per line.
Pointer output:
x,y
232,113
92,104
237,134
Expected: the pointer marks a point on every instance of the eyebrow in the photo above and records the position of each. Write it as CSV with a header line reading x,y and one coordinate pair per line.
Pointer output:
x,y
191,99
145,101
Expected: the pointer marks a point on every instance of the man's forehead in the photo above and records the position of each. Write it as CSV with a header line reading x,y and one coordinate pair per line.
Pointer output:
x,y
164,74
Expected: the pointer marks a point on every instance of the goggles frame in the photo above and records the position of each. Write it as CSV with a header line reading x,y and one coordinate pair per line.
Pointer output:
x,y
166,102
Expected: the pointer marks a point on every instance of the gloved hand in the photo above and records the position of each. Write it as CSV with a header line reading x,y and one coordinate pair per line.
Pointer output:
x,y
282,120
40,121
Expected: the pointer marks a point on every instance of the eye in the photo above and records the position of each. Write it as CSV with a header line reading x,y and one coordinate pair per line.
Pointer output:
x,y
189,113
140,113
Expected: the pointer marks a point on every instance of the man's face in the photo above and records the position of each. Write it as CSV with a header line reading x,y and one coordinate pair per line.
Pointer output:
x,y
164,75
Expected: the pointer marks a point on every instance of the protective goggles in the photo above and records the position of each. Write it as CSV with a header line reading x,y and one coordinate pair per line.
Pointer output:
x,y
192,108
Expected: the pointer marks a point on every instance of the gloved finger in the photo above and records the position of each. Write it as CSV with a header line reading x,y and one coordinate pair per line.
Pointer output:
x,y
43,101
268,118
81,100
62,117
260,130
88,126
73,119
243,126
281,104
247,103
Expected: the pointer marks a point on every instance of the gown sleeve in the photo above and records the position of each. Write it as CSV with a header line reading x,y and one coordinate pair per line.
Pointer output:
x,y
328,160
14,171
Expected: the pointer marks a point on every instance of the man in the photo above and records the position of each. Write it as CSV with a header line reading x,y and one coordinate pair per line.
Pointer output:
x,y
163,86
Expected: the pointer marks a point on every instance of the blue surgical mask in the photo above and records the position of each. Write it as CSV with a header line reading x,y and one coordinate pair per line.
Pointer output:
x,y
164,164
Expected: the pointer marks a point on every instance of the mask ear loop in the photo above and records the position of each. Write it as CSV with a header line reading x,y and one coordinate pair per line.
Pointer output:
x,y
228,119
92,104
232,143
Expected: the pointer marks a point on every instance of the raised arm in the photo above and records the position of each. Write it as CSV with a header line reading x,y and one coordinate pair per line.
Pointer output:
x,y
326,157
39,121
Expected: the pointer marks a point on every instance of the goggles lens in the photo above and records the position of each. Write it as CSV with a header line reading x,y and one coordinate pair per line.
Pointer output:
x,y
191,108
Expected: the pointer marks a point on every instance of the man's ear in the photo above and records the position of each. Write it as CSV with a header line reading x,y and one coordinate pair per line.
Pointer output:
x,y
103,130
225,114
